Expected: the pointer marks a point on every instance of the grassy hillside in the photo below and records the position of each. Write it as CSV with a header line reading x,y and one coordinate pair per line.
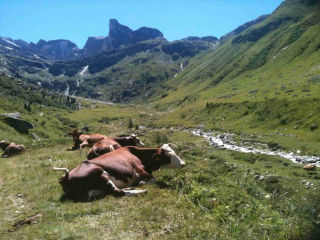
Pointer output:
x,y
215,196
278,57
265,79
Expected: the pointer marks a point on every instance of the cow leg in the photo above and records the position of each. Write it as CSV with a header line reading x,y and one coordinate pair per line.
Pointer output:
x,y
82,145
111,188
134,192
142,174
6,153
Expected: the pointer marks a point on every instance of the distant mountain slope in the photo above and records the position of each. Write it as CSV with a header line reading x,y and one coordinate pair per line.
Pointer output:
x,y
277,57
242,28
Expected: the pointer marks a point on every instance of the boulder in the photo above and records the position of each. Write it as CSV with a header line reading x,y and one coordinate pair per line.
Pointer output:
x,y
14,120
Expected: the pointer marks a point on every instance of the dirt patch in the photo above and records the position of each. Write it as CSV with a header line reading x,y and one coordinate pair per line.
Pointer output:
x,y
27,221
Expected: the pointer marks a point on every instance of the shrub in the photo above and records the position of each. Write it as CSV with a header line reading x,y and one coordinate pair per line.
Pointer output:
x,y
27,106
130,125
313,127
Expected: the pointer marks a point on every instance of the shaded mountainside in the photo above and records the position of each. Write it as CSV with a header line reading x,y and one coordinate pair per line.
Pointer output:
x,y
134,72
154,60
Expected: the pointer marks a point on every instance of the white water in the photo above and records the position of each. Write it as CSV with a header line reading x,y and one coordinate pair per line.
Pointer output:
x,y
66,93
83,70
181,67
226,141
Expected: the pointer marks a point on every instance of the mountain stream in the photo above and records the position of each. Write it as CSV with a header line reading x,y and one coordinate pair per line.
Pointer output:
x,y
226,141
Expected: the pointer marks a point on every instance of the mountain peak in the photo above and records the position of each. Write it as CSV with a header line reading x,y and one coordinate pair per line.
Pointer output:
x,y
115,28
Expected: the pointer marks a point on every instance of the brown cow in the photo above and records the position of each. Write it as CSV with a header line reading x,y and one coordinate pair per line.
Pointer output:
x,y
112,143
310,168
80,140
113,172
11,149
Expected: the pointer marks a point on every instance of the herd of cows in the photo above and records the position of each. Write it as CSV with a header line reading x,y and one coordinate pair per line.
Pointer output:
x,y
113,166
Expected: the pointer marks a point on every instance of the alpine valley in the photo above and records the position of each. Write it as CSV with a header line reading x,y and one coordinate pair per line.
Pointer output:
x,y
244,110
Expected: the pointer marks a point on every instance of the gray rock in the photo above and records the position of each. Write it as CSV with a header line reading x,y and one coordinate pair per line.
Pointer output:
x,y
13,115
35,137
18,124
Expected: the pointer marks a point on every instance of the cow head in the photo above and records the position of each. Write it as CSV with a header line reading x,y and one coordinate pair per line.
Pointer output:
x,y
137,140
75,134
64,179
4,144
168,158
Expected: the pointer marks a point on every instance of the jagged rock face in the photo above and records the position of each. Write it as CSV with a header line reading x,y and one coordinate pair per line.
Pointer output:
x,y
143,34
56,49
210,39
21,43
93,45
9,43
119,36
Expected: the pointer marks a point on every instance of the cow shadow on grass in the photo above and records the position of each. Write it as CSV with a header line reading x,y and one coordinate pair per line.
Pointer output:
x,y
162,184
79,199
89,198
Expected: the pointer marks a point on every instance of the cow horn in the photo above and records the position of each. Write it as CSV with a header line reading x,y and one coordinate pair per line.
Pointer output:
x,y
61,169
172,145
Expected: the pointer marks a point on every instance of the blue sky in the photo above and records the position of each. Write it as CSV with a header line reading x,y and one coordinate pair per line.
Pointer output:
x,y
76,20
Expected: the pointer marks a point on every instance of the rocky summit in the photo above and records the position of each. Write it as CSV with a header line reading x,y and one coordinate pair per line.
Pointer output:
x,y
119,36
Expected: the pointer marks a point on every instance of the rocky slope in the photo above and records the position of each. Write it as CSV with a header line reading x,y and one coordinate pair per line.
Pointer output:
x,y
119,36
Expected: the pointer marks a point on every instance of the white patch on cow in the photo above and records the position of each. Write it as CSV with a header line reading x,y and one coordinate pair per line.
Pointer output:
x,y
120,184
137,140
140,144
176,162
134,192
112,184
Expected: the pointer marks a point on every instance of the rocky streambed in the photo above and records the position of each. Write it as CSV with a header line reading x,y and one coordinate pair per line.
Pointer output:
x,y
226,141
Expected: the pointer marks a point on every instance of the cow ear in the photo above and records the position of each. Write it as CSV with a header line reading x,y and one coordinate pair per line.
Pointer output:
x,y
156,156
80,132
70,133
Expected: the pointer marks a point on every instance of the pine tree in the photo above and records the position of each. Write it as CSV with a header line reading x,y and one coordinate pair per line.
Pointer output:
x,y
130,123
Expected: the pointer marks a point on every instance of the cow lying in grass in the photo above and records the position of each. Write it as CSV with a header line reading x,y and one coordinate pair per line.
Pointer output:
x,y
114,172
310,168
112,143
81,139
11,149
